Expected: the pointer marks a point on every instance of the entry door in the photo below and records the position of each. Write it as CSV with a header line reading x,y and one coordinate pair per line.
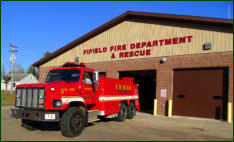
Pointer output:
x,y
200,93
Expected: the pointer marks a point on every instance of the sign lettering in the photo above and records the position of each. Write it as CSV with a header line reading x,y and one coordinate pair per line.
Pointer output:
x,y
140,48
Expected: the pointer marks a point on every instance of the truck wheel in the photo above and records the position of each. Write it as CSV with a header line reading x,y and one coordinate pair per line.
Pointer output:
x,y
73,121
131,111
27,124
122,113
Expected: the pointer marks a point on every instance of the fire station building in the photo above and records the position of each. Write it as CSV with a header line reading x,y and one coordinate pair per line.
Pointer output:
x,y
183,64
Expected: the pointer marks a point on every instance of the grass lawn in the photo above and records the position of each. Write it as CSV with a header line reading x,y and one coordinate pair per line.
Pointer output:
x,y
7,98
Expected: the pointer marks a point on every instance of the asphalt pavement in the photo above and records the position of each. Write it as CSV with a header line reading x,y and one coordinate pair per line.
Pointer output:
x,y
143,127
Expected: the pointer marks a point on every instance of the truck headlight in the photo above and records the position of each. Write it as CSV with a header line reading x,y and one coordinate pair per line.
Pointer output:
x,y
41,100
41,93
57,103
18,93
18,97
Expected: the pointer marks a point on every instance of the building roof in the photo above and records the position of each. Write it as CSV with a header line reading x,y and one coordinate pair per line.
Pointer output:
x,y
129,14
19,76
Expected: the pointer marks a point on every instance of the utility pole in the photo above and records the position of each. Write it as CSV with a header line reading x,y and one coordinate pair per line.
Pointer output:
x,y
12,59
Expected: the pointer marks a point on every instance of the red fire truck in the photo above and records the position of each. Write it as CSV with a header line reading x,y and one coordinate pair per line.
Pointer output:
x,y
75,95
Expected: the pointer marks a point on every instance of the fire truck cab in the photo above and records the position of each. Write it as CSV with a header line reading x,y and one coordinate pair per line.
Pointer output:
x,y
75,95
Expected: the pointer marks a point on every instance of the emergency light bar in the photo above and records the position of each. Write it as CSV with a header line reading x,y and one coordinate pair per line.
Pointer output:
x,y
73,64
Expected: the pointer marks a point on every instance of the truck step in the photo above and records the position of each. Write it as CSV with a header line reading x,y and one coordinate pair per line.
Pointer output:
x,y
92,115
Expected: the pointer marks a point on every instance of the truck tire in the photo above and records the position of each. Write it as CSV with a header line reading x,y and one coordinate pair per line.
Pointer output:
x,y
131,111
73,121
122,113
27,124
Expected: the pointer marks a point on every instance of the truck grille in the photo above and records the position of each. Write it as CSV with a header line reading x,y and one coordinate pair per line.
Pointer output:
x,y
28,97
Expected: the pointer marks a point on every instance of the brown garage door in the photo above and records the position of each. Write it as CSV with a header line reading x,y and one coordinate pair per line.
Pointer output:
x,y
200,93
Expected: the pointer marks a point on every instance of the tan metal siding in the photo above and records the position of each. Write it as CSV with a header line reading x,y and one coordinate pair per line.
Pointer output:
x,y
129,32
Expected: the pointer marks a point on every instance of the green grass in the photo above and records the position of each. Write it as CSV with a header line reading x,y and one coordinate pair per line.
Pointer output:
x,y
7,98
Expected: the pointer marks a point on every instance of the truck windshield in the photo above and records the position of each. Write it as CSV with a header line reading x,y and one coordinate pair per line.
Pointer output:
x,y
67,75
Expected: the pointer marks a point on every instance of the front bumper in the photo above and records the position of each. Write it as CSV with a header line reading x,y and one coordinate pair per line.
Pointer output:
x,y
36,115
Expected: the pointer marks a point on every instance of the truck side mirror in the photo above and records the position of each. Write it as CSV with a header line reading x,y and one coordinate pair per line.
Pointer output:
x,y
95,78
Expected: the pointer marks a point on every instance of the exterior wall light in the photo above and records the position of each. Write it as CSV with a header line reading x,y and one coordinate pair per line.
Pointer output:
x,y
206,46
163,60
77,60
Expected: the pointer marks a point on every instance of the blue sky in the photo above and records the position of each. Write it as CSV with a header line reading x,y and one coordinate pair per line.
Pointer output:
x,y
37,26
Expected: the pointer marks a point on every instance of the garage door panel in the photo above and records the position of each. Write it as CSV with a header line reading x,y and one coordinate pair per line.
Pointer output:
x,y
199,93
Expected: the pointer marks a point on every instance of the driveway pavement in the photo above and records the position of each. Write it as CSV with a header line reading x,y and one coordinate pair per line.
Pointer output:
x,y
143,127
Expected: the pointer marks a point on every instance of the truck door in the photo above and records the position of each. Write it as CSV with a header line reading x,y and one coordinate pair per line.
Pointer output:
x,y
88,88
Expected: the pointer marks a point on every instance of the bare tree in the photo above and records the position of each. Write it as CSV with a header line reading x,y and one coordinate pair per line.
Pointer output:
x,y
3,70
18,68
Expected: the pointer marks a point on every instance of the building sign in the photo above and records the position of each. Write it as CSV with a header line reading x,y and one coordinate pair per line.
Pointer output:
x,y
163,93
138,48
